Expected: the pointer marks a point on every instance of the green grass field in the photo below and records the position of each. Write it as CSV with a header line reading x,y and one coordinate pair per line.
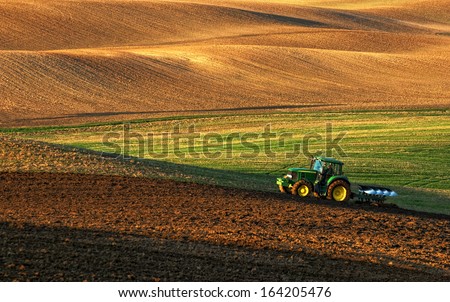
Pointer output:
x,y
405,150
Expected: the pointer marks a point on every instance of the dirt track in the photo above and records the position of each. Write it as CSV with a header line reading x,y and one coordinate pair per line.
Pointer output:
x,y
86,227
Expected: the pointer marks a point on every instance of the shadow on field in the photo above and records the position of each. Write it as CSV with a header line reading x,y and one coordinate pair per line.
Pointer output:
x,y
42,253
288,20
124,113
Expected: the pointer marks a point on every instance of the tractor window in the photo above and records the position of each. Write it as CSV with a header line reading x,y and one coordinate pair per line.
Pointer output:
x,y
317,166
331,169
337,169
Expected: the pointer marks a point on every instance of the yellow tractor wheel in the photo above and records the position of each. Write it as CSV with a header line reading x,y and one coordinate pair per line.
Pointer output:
x,y
302,188
339,190
286,190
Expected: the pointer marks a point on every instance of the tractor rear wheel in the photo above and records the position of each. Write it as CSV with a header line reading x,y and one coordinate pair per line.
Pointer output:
x,y
302,188
339,190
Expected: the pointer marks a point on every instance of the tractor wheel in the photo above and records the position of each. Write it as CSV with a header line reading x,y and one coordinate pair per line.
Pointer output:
x,y
339,191
302,188
284,189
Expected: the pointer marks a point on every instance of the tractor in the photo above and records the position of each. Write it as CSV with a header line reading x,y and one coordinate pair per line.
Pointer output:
x,y
325,179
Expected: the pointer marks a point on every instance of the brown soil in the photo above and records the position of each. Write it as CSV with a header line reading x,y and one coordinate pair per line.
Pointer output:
x,y
106,228
70,62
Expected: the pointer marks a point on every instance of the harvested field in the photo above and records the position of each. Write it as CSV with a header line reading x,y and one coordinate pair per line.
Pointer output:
x,y
70,62
89,227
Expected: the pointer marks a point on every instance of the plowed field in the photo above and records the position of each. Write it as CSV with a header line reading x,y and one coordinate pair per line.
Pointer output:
x,y
107,228
71,62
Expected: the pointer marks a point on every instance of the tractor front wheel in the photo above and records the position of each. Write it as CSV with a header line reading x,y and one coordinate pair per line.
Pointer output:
x,y
339,191
284,189
302,188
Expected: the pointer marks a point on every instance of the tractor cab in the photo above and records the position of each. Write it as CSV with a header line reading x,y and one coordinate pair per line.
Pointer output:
x,y
326,164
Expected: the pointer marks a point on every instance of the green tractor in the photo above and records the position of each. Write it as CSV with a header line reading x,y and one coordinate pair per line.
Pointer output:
x,y
325,179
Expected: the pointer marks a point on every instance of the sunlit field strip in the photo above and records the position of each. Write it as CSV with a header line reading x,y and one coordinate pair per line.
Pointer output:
x,y
406,151
401,148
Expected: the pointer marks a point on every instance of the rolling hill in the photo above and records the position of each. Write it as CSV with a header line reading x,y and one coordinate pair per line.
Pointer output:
x,y
65,62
